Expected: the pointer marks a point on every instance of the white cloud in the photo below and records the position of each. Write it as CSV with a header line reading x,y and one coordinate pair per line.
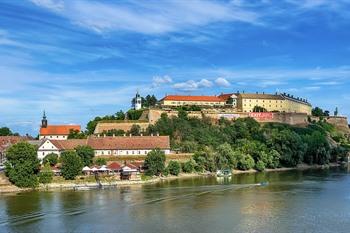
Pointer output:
x,y
192,85
153,17
161,80
222,82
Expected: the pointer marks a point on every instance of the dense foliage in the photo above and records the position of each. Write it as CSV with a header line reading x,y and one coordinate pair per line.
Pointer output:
x,y
71,165
101,161
86,153
46,174
51,158
148,101
155,162
246,144
259,109
75,134
22,165
174,168
5,131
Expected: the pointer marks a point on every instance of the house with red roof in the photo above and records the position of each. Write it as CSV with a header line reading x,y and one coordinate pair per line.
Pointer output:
x,y
190,100
56,132
108,146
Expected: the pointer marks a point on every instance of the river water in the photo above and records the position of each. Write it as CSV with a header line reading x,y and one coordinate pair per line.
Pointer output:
x,y
293,201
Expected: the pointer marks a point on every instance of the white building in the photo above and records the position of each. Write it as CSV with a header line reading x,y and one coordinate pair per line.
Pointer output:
x,y
108,146
138,102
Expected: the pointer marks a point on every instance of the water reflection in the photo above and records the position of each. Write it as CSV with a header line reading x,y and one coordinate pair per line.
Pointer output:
x,y
294,201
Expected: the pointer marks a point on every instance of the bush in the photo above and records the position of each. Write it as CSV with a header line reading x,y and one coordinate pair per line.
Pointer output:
x,y
101,161
86,153
71,165
189,166
246,162
155,162
51,158
22,165
260,166
165,172
174,167
46,174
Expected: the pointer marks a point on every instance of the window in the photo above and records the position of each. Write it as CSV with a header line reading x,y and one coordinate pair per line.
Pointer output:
x,y
43,153
127,152
139,152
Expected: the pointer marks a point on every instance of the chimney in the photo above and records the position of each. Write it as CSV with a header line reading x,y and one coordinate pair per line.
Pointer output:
x,y
98,135
130,135
257,92
104,135
263,92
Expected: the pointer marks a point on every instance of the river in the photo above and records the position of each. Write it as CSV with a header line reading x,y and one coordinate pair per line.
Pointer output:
x,y
293,201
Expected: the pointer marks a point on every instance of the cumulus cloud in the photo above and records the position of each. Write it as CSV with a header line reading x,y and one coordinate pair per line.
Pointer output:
x,y
192,85
222,82
158,81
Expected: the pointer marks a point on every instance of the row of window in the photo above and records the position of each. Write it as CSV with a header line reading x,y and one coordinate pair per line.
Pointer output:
x,y
51,137
133,152
270,101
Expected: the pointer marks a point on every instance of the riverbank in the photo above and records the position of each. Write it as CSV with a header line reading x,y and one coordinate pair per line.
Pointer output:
x,y
76,185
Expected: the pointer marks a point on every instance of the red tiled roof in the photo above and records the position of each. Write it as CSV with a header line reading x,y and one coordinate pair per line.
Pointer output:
x,y
6,141
69,144
133,143
116,143
114,166
58,129
225,97
193,98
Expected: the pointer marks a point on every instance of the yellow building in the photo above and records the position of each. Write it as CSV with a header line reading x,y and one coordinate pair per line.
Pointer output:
x,y
276,102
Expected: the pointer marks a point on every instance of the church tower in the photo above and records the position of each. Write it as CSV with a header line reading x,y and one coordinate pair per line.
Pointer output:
x,y
138,101
44,121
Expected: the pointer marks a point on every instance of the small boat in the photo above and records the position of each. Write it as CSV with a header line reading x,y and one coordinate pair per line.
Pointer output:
x,y
265,183
224,173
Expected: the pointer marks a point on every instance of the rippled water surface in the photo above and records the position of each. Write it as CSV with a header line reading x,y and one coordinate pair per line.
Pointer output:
x,y
294,201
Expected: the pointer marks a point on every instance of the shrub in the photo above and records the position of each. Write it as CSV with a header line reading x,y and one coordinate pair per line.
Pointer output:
x,y
51,158
260,166
101,161
246,162
22,165
46,174
165,172
155,162
188,166
71,165
174,167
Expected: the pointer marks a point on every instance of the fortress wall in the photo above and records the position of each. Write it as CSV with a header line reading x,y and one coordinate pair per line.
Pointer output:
x,y
341,123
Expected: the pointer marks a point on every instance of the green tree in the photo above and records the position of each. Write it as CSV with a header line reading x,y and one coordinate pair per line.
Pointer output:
x,y
46,174
51,158
71,165
134,114
318,149
135,130
101,161
260,166
245,162
317,112
174,167
225,157
188,166
205,160
86,153
75,134
5,131
22,165
155,162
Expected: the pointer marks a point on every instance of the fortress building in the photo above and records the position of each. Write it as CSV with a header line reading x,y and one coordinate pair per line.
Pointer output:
x,y
243,102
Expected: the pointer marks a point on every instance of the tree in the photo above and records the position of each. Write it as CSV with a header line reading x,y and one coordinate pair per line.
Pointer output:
x,y
51,159
336,111
155,162
205,160
174,167
260,166
71,165
188,166
75,134
5,131
46,174
120,115
225,157
318,112
134,114
259,109
245,162
135,130
22,165
101,161
86,153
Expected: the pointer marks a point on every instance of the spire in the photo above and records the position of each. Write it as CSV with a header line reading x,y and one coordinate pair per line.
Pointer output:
x,y
44,121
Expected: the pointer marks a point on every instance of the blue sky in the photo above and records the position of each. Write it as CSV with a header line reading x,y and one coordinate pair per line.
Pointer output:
x,y
80,59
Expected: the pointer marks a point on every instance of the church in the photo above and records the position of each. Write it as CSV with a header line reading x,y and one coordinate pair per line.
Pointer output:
x,y
56,132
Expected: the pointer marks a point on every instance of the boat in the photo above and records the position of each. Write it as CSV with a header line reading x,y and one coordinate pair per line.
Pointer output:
x,y
224,173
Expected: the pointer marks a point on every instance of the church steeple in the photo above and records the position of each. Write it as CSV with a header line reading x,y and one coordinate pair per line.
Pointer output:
x,y
44,121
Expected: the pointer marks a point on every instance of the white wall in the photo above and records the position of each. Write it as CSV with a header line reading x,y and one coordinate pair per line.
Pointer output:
x,y
54,137
46,148
124,152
